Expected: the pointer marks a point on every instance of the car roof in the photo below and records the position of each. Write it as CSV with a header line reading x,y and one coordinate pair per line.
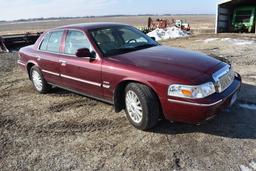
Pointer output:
x,y
89,26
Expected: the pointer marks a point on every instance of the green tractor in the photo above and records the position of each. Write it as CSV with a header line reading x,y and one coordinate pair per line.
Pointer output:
x,y
244,19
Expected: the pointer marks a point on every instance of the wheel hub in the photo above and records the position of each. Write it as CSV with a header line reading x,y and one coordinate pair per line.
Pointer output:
x,y
37,80
133,106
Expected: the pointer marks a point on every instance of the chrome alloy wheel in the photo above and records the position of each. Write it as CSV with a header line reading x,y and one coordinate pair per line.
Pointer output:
x,y
133,106
37,80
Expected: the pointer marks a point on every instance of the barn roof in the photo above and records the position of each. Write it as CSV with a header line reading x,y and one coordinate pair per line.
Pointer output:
x,y
236,2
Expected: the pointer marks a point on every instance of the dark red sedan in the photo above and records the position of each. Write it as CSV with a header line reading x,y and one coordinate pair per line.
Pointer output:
x,y
120,65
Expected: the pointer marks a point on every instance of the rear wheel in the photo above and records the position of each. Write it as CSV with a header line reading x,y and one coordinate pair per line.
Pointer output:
x,y
38,80
141,106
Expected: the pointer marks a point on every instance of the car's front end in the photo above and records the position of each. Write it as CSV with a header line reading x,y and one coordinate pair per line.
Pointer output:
x,y
196,103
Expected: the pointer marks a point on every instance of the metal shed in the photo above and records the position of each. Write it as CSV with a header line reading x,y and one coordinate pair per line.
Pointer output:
x,y
225,12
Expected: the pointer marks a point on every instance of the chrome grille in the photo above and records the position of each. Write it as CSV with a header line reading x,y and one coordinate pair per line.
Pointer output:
x,y
223,78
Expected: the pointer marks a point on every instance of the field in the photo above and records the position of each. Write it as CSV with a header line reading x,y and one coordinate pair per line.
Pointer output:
x,y
65,131
205,22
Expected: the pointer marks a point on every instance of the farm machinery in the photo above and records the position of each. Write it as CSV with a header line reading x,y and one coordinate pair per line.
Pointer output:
x,y
14,42
164,23
244,19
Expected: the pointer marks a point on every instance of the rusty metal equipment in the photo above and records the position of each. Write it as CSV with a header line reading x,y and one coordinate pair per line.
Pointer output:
x,y
164,23
13,42
159,23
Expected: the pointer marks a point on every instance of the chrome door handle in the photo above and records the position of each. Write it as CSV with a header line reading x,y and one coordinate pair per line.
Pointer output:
x,y
38,58
63,63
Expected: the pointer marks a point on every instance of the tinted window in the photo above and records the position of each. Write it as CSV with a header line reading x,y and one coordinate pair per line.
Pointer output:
x,y
75,40
120,39
45,42
54,41
130,36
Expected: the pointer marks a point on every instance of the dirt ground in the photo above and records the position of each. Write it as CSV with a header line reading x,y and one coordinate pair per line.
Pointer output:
x,y
65,131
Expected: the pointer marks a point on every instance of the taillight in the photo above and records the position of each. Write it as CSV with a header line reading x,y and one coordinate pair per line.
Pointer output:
x,y
19,56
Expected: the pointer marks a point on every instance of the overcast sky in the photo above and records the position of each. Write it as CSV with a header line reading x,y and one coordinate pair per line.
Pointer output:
x,y
17,9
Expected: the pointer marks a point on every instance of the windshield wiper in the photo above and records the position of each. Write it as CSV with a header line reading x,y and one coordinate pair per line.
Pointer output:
x,y
119,50
145,46
129,49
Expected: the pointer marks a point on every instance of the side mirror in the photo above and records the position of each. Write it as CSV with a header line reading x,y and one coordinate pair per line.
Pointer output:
x,y
84,52
153,38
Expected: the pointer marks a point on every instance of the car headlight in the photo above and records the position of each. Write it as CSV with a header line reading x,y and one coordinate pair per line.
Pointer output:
x,y
192,92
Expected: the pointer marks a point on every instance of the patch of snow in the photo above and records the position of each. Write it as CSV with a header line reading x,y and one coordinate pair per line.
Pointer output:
x,y
241,42
248,106
231,41
210,40
168,33
253,164
244,168
225,39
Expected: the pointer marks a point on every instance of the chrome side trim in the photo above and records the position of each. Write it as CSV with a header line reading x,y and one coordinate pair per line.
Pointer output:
x,y
21,63
194,104
80,80
49,72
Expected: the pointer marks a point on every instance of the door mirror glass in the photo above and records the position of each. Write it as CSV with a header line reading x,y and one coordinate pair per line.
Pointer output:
x,y
84,52
153,38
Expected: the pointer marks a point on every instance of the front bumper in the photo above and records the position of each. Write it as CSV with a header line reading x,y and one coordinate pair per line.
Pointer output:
x,y
198,110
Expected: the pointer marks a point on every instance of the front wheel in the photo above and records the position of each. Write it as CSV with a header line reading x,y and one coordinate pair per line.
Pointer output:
x,y
141,106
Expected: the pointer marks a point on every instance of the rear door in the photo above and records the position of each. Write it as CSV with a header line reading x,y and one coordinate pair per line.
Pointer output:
x,y
80,74
48,56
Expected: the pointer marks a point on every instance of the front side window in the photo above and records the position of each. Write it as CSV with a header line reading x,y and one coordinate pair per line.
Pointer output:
x,y
54,41
116,40
130,36
75,40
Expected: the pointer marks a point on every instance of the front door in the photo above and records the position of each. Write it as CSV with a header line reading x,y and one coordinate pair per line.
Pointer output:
x,y
80,74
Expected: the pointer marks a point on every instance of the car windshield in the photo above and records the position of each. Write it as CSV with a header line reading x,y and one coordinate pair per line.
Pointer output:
x,y
116,40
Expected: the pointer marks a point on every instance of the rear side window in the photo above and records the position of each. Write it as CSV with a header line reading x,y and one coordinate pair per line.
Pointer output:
x,y
54,41
75,40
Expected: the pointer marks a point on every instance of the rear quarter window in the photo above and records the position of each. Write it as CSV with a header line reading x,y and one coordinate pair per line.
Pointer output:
x,y
44,43
52,41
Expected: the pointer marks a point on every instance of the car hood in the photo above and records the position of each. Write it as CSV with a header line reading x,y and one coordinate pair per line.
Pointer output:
x,y
177,63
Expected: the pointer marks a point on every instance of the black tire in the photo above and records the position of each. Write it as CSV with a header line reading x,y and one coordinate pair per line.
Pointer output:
x,y
149,103
45,86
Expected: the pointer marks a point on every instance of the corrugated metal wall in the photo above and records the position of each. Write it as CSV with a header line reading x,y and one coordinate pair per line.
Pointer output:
x,y
223,19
